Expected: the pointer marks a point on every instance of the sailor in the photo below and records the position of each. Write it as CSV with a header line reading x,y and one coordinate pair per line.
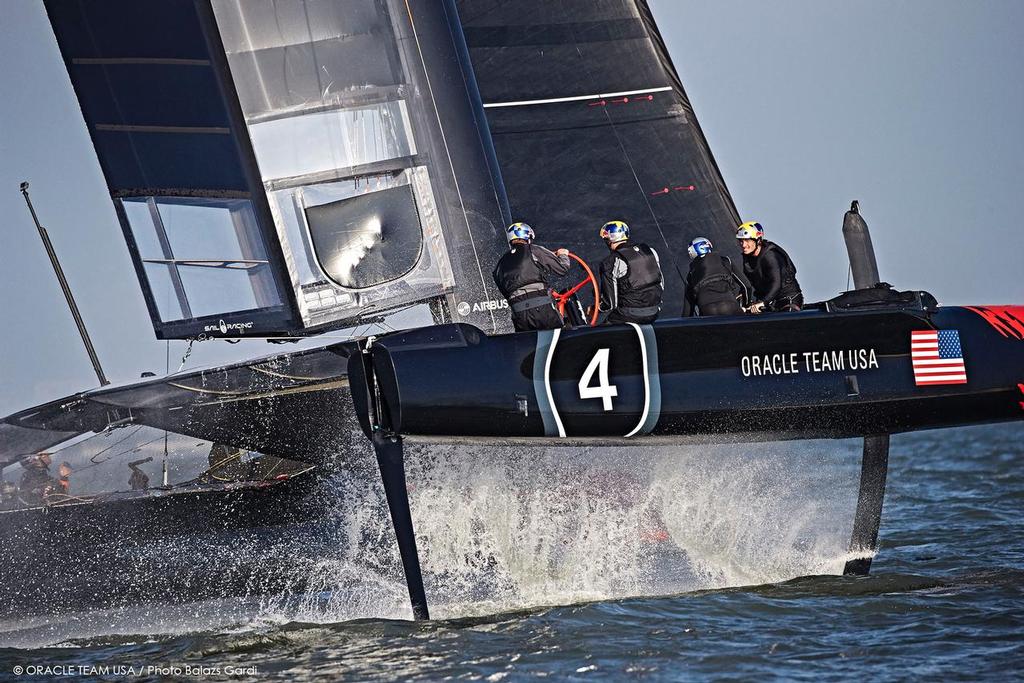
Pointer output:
x,y
36,482
713,286
631,281
770,271
139,480
522,278
64,480
8,495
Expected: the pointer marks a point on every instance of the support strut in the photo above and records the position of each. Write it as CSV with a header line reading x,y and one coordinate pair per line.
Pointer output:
x,y
873,469
391,460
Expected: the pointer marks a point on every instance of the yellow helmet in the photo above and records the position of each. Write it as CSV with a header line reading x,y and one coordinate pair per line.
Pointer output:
x,y
750,231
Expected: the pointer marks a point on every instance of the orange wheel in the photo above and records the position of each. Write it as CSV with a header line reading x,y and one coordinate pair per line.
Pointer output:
x,y
561,298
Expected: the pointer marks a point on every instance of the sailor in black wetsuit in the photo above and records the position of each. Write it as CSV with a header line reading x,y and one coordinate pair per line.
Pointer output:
x,y
521,276
770,271
36,483
713,285
631,281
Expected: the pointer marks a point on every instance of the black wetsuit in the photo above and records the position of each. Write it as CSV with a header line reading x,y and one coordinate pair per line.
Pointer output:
x,y
521,276
773,276
36,481
631,284
714,287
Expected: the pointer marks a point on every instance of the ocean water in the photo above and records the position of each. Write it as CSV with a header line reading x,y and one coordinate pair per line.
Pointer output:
x,y
712,562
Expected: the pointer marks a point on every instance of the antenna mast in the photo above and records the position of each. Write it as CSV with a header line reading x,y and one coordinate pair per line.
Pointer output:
x,y
67,290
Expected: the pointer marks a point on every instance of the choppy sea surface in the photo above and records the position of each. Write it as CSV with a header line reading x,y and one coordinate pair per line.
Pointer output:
x,y
705,564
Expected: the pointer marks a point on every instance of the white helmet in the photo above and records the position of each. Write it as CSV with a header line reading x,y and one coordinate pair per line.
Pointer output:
x,y
699,247
519,231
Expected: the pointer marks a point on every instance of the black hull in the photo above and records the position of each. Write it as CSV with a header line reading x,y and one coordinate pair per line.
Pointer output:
x,y
806,375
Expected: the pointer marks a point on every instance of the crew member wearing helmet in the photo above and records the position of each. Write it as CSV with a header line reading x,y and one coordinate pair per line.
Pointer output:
x,y
713,286
521,276
631,281
770,271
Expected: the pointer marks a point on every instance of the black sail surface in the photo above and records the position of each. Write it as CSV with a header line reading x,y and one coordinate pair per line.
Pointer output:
x,y
591,123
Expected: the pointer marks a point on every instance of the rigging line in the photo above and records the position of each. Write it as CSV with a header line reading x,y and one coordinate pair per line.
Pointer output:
x,y
306,388
167,371
632,169
273,469
135,449
184,359
297,378
76,443
68,499
451,164
92,458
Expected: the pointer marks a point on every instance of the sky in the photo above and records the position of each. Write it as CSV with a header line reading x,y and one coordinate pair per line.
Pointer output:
x,y
913,107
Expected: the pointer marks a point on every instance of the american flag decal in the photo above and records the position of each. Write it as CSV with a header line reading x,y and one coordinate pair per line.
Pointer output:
x,y
937,357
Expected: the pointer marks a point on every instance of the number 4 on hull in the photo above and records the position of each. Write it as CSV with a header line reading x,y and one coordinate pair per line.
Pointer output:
x,y
603,390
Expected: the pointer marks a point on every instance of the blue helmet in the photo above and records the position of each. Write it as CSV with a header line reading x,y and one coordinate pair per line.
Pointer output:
x,y
699,247
519,231
615,231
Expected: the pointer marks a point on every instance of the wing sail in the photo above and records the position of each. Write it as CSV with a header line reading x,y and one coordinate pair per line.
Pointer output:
x,y
287,168
591,123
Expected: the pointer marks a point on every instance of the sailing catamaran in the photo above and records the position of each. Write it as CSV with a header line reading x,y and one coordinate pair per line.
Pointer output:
x,y
287,169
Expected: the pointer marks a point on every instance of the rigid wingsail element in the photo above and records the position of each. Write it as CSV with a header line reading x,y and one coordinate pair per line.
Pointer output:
x,y
591,123
286,168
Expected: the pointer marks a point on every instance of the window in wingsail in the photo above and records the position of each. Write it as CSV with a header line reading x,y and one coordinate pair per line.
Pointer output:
x,y
201,256
335,279
369,239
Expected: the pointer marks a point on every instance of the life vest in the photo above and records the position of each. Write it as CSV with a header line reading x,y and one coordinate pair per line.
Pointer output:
x,y
710,270
517,273
640,289
644,271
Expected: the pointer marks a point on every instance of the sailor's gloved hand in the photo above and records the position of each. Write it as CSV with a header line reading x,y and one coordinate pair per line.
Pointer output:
x,y
562,252
756,307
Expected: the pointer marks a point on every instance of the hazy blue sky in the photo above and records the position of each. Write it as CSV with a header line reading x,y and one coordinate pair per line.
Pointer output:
x,y
914,107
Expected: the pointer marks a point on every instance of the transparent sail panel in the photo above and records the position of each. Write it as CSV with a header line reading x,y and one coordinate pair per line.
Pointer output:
x,y
286,55
201,257
325,141
369,239
169,298
362,244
